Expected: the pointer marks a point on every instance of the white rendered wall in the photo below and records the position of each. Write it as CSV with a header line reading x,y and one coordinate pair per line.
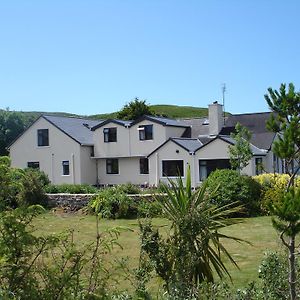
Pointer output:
x,y
129,172
61,147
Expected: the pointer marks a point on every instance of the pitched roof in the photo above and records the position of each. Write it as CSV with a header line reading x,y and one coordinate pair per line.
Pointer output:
x,y
116,121
188,144
77,128
162,121
256,123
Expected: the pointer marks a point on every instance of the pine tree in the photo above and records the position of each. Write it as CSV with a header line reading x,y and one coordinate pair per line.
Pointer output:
x,y
286,123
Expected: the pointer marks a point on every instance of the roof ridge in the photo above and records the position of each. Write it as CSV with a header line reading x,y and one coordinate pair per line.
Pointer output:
x,y
72,117
256,113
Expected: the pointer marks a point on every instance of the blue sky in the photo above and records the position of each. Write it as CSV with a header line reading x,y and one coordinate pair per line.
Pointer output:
x,y
89,57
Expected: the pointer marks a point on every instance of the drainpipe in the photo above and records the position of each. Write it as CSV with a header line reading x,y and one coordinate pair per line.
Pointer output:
x,y
129,141
193,169
73,167
157,169
52,168
97,174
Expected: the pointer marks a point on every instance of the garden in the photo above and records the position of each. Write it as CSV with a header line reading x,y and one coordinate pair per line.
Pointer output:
x,y
234,237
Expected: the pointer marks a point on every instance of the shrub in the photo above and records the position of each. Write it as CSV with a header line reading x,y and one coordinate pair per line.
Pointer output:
x,y
129,189
32,191
71,189
20,187
273,273
51,267
233,187
112,203
149,209
273,187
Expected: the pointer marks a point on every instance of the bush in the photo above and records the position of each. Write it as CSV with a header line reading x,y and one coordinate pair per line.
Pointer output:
x,y
233,187
112,203
71,189
129,189
273,273
20,187
273,187
32,192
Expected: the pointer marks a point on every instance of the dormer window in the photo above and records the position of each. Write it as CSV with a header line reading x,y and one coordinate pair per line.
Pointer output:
x,y
110,134
145,132
43,137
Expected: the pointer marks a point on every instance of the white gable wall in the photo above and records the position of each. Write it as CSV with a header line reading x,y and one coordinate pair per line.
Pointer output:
x,y
61,147
140,148
120,148
170,151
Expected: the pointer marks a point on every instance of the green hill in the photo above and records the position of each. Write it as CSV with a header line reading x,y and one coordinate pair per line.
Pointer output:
x,y
171,111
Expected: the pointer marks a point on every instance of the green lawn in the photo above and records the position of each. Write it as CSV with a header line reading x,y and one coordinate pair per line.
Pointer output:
x,y
257,231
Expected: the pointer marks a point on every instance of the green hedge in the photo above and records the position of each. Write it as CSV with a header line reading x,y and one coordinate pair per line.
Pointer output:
x,y
233,187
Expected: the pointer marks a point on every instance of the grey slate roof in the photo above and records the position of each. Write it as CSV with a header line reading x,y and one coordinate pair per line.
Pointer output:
x,y
254,149
77,128
189,144
199,126
256,123
161,120
107,121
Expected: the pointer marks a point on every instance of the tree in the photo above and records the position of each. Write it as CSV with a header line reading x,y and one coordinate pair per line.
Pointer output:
x,y
240,153
286,123
193,252
11,125
134,109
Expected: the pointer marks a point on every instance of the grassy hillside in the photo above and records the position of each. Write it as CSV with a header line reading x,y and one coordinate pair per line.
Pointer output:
x,y
171,111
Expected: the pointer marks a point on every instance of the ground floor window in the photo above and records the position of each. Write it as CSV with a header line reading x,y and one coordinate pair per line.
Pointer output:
x,y
208,166
144,165
66,167
172,168
258,165
33,165
112,166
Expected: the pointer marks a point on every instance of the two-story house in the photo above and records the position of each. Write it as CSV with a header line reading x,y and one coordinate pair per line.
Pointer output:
x,y
144,151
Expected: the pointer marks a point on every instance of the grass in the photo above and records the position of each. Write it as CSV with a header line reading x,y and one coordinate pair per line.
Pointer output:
x,y
258,231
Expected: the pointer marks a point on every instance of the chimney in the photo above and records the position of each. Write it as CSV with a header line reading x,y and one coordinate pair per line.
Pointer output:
x,y
215,117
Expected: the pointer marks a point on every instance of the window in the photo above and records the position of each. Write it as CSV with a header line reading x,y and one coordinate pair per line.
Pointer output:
x,y
145,132
258,165
202,169
110,134
43,137
33,164
112,166
66,167
208,166
144,166
172,168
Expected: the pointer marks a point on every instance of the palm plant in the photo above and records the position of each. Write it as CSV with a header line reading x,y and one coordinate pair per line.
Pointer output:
x,y
193,251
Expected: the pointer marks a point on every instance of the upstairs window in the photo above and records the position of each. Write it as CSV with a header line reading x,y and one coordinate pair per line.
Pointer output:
x,y
66,167
112,166
43,137
144,166
33,165
145,132
172,168
110,134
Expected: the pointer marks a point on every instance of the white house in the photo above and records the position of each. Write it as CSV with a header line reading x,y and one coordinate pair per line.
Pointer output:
x,y
144,152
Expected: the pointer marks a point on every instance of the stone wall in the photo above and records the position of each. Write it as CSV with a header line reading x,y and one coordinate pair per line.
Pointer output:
x,y
72,202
